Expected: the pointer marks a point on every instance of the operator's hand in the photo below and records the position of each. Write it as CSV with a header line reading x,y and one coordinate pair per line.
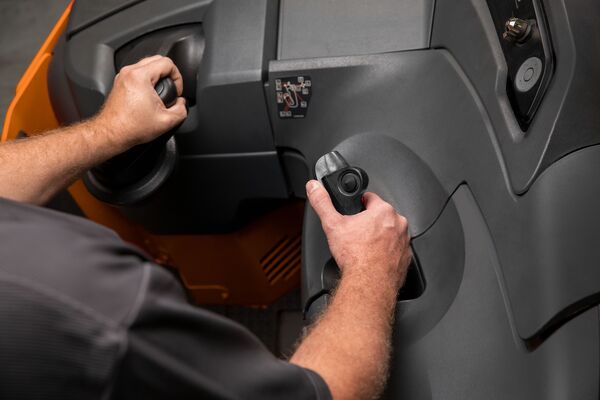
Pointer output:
x,y
373,245
133,113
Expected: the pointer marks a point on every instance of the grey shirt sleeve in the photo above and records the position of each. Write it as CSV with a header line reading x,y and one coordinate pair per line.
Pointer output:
x,y
86,316
175,350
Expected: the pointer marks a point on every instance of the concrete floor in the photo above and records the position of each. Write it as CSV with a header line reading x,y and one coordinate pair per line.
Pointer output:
x,y
24,24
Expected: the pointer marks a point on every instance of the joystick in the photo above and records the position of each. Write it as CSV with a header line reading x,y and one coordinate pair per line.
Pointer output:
x,y
345,184
167,91
138,172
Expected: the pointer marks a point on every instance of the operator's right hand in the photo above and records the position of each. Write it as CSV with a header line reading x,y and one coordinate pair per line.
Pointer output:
x,y
133,113
372,245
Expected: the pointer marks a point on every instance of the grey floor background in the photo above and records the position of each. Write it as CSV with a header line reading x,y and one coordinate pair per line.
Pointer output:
x,y
24,24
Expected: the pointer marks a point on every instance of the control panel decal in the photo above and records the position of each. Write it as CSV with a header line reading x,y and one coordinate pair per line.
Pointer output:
x,y
293,96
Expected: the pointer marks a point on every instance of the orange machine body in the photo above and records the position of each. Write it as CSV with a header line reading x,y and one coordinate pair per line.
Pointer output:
x,y
254,265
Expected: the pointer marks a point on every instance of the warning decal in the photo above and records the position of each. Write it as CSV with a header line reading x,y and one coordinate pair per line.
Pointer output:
x,y
293,96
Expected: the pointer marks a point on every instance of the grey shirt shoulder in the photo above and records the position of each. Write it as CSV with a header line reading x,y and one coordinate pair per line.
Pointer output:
x,y
87,316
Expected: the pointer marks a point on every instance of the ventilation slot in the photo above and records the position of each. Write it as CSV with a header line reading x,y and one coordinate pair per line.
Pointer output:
x,y
283,260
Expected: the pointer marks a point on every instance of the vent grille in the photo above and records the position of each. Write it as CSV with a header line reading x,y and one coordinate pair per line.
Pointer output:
x,y
283,259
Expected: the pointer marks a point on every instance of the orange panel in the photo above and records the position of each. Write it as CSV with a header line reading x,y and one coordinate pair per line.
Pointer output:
x,y
32,91
253,266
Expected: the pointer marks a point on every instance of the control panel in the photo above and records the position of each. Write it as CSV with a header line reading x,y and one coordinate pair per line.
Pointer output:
x,y
523,34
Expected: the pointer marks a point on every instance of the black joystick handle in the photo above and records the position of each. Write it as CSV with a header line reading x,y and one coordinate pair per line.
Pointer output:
x,y
345,184
167,91
133,166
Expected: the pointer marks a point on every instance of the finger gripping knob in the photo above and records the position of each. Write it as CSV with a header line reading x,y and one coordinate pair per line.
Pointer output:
x,y
167,91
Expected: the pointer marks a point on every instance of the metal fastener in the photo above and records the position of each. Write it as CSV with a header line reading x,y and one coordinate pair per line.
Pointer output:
x,y
516,30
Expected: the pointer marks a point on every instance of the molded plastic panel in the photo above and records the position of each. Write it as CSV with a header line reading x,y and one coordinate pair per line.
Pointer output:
x,y
558,232
567,118
529,59
317,28
62,101
239,39
411,116
88,12
474,352
184,44
213,194
435,113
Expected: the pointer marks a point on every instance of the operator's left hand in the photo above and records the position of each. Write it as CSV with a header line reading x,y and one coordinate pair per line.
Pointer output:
x,y
133,113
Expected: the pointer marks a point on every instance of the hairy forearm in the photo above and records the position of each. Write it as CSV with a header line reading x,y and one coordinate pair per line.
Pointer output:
x,y
33,170
349,346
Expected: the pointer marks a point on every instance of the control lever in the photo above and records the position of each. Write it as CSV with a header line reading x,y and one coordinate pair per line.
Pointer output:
x,y
127,177
167,91
345,184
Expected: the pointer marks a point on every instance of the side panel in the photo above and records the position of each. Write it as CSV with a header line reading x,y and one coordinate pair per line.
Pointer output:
x,y
423,100
474,351
567,119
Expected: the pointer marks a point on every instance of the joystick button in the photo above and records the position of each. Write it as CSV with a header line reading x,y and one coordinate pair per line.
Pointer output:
x,y
349,182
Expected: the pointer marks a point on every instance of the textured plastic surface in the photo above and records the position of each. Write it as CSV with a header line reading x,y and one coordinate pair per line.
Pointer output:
x,y
199,196
88,12
474,351
317,28
64,107
296,171
558,229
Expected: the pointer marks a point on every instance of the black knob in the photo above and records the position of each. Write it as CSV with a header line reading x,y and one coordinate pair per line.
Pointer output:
x,y
167,91
134,174
349,182
345,184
